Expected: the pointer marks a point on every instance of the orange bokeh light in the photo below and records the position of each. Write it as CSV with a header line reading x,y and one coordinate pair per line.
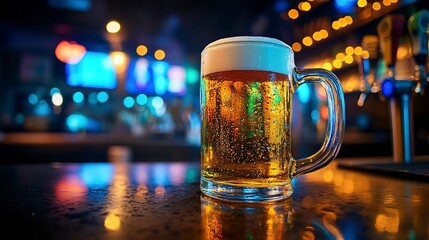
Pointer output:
x,y
69,52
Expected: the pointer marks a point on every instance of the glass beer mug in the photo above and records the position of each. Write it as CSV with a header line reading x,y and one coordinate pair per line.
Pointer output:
x,y
247,83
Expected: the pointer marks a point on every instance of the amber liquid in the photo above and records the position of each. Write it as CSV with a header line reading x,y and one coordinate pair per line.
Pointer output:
x,y
223,220
246,126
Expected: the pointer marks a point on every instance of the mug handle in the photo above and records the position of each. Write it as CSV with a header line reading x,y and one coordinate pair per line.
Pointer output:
x,y
335,123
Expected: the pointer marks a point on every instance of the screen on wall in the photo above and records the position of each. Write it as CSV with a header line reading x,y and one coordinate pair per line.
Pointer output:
x,y
95,70
155,78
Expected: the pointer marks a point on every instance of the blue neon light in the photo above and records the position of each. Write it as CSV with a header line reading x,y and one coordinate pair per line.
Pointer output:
x,y
96,174
141,99
102,96
95,70
76,122
388,88
345,6
33,99
303,93
78,97
129,102
160,69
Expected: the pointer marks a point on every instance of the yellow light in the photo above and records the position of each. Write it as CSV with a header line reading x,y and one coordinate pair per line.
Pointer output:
x,y
307,41
387,223
403,53
113,27
296,46
338,180
57,99
362,3
348,186
159,54
365,54
350,50
348,59
305,6
337,63
348,19
376,6
327,66
336,25
324,33
351,84
342,22
112,222
340,56
394,1
358,50
293,13
380,222
141,50
118,59
328,175
387,2
317,36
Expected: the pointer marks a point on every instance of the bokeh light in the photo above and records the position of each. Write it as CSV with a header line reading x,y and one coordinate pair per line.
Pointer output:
x,y
159,54
141,50
113,26
293,13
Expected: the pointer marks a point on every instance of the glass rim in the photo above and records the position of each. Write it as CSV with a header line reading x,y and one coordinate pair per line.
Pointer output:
x,y
248,39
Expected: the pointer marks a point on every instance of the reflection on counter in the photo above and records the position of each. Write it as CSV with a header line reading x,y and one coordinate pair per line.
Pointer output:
x,y
348,204
392,211
232,220
163,201
79,183
80,178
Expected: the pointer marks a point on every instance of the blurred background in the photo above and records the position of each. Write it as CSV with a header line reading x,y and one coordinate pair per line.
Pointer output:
x,y
95,80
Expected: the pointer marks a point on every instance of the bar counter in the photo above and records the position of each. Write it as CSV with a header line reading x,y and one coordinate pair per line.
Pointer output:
x,y
162,200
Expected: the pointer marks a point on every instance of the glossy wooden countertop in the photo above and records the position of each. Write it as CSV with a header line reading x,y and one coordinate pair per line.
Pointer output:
x,y
162,200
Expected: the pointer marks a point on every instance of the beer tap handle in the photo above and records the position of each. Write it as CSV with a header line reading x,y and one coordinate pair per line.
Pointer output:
x,y
370,47
418,28
364,70
389,31
398,91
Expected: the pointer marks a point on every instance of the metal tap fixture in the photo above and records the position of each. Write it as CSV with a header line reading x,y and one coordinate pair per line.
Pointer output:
x,y
367,66
398,91
418,28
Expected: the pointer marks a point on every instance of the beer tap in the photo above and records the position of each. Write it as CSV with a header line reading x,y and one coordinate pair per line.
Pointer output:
x,y
418,28
366,66
397,91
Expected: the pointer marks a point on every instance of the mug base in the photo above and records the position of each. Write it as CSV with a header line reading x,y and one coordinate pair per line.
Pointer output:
x,y
245,194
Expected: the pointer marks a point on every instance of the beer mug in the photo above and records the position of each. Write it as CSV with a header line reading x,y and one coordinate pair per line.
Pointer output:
x,y
247,84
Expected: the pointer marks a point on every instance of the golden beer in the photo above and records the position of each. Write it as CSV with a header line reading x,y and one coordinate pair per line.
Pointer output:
x,y
246,89
246,128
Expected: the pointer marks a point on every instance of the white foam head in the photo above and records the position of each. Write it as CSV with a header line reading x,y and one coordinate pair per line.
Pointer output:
x,y
247,53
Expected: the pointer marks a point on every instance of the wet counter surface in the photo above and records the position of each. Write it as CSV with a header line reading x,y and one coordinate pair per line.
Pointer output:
x,y
163,201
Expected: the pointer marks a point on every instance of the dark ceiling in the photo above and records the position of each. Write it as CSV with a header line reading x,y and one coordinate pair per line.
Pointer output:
x,y
187,25
181,27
